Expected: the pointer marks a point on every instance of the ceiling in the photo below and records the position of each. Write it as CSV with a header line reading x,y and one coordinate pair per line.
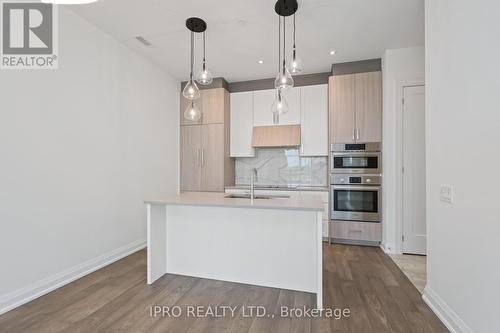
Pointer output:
x,y
242,32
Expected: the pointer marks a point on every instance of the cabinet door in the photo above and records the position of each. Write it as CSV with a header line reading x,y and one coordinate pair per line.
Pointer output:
x,y
314,120
212,158
241,124
190,158
184,103
212,101
342,108
262,102
292,117
369,107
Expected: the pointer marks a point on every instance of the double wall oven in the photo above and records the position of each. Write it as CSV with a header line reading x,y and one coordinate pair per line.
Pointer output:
x,y
356,182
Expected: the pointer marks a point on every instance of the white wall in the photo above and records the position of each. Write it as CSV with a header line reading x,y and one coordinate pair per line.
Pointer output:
x,y
463,145
81,147
399,67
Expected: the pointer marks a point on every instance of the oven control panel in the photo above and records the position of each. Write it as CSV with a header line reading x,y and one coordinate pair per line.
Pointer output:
x,y
354,179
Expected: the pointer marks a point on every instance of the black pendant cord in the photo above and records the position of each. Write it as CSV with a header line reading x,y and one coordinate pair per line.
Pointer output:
x,y
279,43
204,52
284,44
192,55
294,52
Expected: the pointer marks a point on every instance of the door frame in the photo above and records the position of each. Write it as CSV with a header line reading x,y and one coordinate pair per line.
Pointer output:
x,y
401,85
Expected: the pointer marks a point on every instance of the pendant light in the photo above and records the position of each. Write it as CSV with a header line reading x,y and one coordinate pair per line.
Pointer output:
x,y
279,107
284,79
296,65
204,77
192,112
191,90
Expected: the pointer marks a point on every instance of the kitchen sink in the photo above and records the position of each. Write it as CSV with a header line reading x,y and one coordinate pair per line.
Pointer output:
x,y
257,196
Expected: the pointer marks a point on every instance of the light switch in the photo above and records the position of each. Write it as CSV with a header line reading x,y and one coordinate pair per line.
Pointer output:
x,y
447,193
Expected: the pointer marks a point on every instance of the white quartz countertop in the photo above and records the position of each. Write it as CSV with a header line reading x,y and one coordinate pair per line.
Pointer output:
x,y
290,188
309,203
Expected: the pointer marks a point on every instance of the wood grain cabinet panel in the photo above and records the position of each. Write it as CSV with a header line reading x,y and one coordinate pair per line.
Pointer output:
x,y
213,105
356,108
190,171
342,108
369,107
212,157
361,231
205,163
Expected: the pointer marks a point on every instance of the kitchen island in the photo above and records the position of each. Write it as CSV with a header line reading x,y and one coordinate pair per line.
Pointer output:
x,y
272,242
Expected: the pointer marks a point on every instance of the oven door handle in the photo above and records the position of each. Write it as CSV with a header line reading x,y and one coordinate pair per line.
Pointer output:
x,y
357,188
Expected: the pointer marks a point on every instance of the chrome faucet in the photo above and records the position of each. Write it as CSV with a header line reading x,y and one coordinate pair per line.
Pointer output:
x,y
253,178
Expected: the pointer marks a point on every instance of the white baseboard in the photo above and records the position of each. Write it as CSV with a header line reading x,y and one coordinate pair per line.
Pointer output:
x,y
30,292
449,318
389,249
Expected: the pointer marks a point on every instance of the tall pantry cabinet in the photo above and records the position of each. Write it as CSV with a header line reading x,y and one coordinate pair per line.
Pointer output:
x,y
356,107
205,162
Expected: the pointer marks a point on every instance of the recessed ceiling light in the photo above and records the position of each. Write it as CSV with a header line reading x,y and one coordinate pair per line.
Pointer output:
x,y
260,61
332,52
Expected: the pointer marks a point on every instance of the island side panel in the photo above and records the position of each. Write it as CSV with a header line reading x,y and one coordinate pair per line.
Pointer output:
x,y
319,260
156,238
265,247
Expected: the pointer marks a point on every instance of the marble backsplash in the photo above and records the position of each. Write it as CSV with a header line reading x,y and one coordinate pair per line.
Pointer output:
x,y
280,166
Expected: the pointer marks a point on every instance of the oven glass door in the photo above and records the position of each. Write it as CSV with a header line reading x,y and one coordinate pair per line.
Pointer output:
x,y
355,162
359,203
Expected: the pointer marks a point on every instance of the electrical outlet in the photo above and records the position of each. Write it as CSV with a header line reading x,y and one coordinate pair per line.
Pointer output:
x,y
446,193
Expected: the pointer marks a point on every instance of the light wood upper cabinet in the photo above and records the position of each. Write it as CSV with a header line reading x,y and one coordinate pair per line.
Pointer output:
x,y
342,108
369,107
356,108
213,101
190,158
241,124
205,162
211,105
314,120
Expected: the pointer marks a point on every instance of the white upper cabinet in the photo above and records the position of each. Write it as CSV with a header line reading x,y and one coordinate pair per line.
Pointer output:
x,y
262,101
292,117
308,107
242,124
314,120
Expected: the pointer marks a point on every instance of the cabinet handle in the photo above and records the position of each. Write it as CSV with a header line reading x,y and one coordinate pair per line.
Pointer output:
x,y
197,157
357,134
353,134
202,157
356,231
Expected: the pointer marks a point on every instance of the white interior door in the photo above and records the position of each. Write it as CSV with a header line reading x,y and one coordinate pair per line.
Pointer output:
x,y
414,229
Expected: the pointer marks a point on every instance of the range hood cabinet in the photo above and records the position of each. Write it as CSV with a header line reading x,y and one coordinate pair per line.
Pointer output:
x,y
276,136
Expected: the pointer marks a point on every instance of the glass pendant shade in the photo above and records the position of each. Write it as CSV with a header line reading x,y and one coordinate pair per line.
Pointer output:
x,y
296,66
192,112
191,91
204,76
280,106
284,79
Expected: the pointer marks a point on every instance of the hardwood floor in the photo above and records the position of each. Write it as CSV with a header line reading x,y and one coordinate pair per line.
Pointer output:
x,y
117,299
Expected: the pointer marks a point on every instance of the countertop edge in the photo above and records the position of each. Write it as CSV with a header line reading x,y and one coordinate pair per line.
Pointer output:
x,y
206,204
